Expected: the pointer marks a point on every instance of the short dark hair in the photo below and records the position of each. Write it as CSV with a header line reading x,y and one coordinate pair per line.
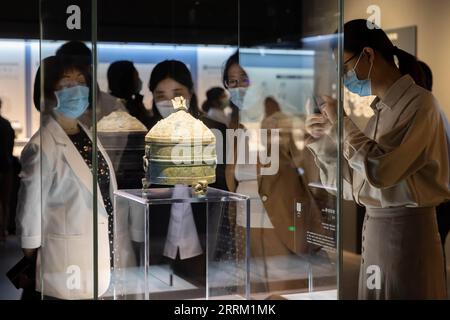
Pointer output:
x,y
212,97
54,68
215,93
120,77
77,50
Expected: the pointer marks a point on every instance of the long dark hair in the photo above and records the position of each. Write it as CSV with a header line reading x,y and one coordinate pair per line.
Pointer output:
x,y
232,60
427,76
360,33
176,70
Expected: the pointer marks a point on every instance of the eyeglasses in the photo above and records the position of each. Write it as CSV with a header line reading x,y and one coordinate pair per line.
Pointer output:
x,y
235,83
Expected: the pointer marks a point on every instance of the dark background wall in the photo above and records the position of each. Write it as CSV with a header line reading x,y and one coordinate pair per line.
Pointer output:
x,y
278,23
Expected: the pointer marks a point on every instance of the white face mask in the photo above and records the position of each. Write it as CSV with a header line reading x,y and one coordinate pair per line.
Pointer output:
x,y
166,108
237,96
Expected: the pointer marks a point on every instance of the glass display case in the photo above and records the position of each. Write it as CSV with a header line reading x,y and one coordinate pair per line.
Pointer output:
x,y
220,268
267,227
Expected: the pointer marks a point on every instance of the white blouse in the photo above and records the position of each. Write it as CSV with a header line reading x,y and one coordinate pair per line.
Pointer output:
x,y
182,234
401,158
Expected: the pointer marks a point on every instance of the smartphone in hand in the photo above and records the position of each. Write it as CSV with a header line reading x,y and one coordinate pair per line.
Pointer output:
x,y
318,104
314,105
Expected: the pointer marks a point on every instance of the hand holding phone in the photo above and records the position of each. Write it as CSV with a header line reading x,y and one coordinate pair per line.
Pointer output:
x,y
314,105
318,104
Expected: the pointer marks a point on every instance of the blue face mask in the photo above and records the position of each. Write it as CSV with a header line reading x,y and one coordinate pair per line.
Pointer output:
x,y
363,88
73,101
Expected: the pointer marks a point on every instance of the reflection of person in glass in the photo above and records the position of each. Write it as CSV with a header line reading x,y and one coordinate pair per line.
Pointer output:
x,y
215,104
124,83
281,202
236,81
178,231
397,167
54,213
274,197
242,177
106,103
214,117
7,137
442,211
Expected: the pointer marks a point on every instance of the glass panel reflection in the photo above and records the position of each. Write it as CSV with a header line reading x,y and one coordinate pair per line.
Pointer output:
x,y
274,86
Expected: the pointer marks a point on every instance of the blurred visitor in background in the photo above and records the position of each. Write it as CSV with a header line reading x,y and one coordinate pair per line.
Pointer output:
x,y
7,137
124,83
442,210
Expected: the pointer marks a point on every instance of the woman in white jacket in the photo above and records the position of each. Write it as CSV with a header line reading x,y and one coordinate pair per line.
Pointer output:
x,y
55,211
